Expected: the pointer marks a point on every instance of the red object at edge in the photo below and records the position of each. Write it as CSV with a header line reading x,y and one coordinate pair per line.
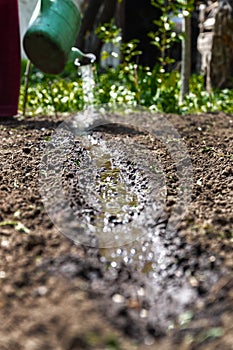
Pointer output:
x,y
10,60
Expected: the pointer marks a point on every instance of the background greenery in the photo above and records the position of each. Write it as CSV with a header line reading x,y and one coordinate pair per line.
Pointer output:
x,y
128,83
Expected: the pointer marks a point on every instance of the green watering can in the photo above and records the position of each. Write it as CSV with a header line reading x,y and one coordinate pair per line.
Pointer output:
x,y
49,40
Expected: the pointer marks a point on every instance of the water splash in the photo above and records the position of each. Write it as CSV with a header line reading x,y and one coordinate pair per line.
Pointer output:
x,y
143,167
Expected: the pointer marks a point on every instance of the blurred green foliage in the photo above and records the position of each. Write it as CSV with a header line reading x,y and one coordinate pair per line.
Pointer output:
x,y
128,83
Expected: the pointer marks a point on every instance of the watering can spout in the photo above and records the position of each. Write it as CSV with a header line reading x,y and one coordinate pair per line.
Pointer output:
x,y
80,59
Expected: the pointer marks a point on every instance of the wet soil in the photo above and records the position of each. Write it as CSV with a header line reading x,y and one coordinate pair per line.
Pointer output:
x,y
169,289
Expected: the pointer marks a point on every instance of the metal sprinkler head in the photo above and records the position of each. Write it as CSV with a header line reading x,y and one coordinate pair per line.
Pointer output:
x,y
87,58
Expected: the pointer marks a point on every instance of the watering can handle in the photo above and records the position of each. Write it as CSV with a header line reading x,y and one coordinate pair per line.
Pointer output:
x,y
45,5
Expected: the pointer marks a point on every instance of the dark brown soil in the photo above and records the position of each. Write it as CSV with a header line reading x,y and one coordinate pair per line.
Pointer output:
x,y
61,296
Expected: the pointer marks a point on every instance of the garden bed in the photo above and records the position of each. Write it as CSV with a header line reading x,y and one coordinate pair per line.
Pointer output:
x,y
59,295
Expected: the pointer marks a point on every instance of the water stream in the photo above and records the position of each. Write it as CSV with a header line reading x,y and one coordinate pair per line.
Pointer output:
x,y
88,84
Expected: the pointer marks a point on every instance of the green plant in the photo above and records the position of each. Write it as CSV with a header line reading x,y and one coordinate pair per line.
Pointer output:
x,y
128,83
48,94
166,35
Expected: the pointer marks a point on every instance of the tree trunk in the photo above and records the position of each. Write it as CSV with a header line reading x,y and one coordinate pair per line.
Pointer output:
x,y
215,44
88,22
97,12
186,58
221,67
